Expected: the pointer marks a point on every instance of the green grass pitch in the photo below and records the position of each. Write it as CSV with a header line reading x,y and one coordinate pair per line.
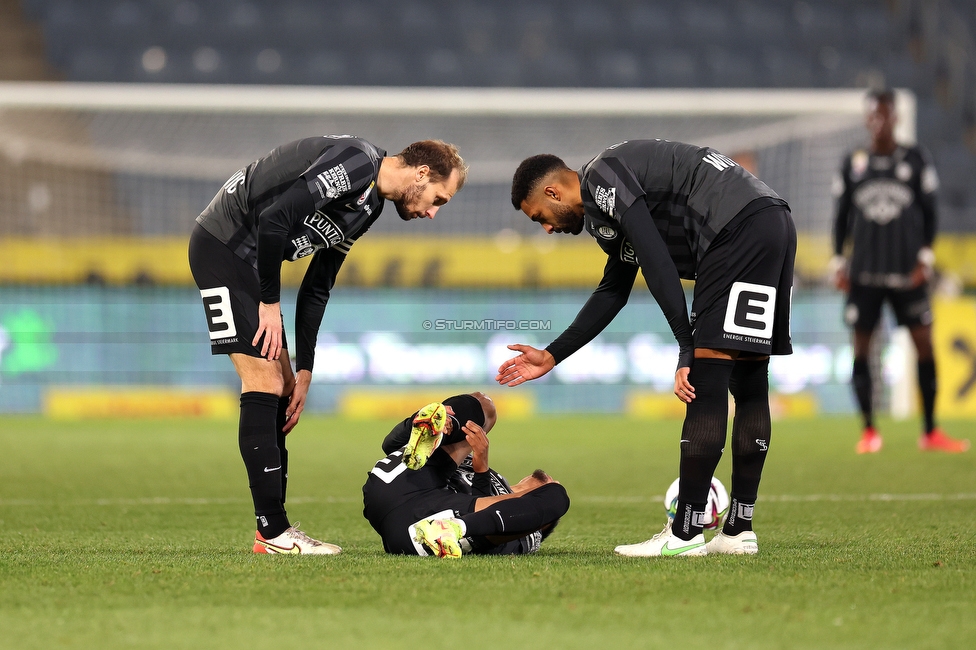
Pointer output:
x,y
137,534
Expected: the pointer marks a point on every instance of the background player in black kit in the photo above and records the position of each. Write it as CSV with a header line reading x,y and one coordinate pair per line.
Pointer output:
x,y
681,211
314,196
455,503
886,205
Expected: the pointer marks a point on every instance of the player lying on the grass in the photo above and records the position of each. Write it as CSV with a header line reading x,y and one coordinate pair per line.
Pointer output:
x,y
453,502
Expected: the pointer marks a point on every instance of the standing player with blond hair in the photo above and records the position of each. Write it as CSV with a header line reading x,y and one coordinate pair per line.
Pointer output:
x,y
314,196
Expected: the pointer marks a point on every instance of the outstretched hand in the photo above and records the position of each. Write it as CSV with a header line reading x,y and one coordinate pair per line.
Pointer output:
x,y
530,364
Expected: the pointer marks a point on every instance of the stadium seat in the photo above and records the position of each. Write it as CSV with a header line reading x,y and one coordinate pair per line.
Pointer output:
x,y
502,68
872,25
384,67
847,68
443,67
590,21
900,70
210,64
89,63
730,68
783,68
616,68
325,68
762,20
270,65
421,19
822,24
706,23
672,68
552,68
645,24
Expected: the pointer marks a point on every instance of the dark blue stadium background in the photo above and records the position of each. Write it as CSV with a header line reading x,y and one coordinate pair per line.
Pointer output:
x,y
927,46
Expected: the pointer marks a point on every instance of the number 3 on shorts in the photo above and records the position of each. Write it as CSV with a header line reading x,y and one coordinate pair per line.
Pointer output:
x,y
751,309
220,318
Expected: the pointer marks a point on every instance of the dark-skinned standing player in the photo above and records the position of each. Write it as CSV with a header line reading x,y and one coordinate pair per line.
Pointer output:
x,y
886,208
680,211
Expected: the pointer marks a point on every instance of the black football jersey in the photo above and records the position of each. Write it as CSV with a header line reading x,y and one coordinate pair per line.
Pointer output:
x,y
886,207
691,193
340,173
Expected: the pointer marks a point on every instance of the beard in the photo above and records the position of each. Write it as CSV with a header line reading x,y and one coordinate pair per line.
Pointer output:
x,y
411,194
567,220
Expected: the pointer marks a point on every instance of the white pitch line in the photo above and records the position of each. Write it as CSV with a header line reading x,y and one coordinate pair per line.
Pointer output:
x,y
164,501
204,501
798,498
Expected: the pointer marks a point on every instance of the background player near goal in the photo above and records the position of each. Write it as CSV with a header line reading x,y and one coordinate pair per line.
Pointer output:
x,y
886,209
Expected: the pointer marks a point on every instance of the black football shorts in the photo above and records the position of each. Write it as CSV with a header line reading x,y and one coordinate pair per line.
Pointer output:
x,y
863,309
396,529
231,290
744,285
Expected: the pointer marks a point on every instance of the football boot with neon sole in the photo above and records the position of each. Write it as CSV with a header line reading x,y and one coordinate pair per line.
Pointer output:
x,y
939,441
293,542
870,442
665,544
742,544
425,435
442,537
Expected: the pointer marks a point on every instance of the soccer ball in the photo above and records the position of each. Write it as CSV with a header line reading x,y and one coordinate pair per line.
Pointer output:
x,y
715,509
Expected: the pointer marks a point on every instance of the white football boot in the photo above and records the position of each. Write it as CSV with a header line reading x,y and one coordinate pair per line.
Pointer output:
x,y
665,544
742,544
293,542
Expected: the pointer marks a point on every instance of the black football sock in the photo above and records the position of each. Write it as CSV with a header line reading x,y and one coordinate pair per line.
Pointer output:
x,y
520,515
258,442
280,437
751,431
861,381
927,386
689,519
702,439
739,518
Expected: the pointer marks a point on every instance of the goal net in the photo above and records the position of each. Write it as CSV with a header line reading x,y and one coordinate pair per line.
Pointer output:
x,y
89,159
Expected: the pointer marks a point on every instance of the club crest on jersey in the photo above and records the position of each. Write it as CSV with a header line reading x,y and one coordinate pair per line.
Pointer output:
x,y
333,182
882,200
303,247
322,225
362,198
605,199
606,232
